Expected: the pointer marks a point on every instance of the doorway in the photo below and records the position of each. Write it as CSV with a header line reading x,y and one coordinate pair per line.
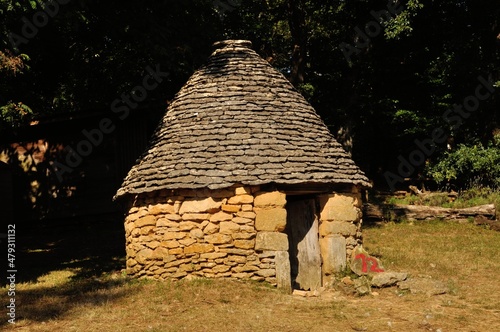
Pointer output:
x,y
303,237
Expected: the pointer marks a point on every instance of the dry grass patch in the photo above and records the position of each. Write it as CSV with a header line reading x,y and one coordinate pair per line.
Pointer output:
x,y
464,256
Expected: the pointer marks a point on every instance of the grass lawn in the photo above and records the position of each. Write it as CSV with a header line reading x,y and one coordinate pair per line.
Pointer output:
x,y
84,294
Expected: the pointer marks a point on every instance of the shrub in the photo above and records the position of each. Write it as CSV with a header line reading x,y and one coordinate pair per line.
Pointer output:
x,y
468,167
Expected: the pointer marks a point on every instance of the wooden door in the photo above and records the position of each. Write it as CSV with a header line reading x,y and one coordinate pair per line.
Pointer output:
x,y
302,229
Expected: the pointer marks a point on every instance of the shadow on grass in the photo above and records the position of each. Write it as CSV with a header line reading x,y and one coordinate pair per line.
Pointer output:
x,y
92,245
92,252
41,304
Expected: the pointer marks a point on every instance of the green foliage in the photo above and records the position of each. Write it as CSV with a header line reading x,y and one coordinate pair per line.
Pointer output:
x,y
400,25
14,115
468,167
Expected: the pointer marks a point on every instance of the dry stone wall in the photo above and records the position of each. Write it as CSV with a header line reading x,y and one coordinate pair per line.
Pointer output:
x,y
209,233
231,233
339,231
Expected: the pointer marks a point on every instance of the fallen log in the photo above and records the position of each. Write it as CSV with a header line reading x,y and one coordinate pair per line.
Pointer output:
x,y
422,212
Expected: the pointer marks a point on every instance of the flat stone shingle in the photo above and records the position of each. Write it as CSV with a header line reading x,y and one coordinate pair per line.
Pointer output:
x,y
235,118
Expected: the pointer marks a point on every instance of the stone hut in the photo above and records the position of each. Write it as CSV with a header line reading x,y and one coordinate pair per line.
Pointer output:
x,y
242,180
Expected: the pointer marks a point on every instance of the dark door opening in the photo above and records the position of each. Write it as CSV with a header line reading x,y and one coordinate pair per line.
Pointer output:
x,y
303,237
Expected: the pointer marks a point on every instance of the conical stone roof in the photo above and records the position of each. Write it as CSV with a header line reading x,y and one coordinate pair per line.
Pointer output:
x,y
237,120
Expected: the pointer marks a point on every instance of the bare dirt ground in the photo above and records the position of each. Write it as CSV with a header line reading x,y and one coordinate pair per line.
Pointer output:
x,y
70,280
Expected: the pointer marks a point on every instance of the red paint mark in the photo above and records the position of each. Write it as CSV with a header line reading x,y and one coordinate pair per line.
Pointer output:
x,y
373,266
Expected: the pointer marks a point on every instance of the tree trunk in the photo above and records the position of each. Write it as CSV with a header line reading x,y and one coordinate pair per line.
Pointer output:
x,y
422,212
297,22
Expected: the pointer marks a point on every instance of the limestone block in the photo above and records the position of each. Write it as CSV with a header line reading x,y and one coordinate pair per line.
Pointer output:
x,y
186,267
159,253
199,248
257,278
253,258
243,236
134,216
145,221
134,270
247,228
245,268
196,233
196,216
148,230
240,220
172,217
246,214
187,242
283,274
247,207
337,227
160,209
187,225
131,262
363,263
351,242
129,226
200,205
272,220
235,251
153,244
176,251
274,198
170,244
362,286
236,259
228,227
211,228
244,244
242,191
220,268
174,235
266,273
241,199
218,238
339,207
231,208
221,216
271,241
213,255
179,274
387,279
169,258
144,255
163,222
333,254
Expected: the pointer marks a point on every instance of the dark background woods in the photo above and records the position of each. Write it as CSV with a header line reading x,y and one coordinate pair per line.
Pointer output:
x,y
389,90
